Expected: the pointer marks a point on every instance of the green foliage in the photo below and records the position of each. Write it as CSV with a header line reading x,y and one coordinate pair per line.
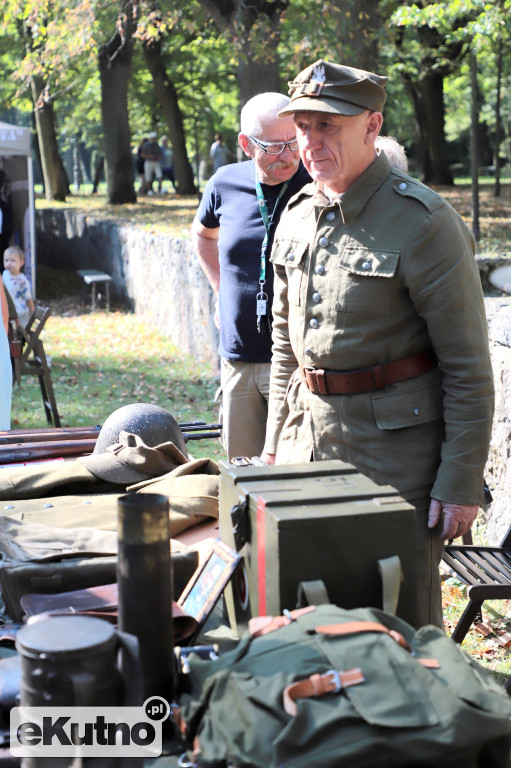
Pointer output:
x,y
59,40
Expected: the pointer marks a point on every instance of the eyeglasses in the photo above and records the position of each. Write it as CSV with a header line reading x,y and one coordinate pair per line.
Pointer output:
x,y
275,149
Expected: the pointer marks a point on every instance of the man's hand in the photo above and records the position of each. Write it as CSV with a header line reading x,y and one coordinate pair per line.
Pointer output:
x,y
268,458
457,518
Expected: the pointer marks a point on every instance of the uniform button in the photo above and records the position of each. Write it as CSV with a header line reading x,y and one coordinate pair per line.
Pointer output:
x,y
320,269
416,411
323,241
403,185
316,297
309,353
291,257
314,323
366,265
330,215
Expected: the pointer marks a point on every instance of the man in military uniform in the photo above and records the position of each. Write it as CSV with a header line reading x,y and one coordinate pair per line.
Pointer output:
x,y
380,347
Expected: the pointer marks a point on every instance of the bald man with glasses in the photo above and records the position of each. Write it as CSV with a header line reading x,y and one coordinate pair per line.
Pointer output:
x,y
233,233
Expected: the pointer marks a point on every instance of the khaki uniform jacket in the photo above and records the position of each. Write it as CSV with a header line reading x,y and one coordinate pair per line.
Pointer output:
x,y
386,273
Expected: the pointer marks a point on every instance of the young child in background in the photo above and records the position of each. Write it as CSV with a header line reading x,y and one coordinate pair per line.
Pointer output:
x,y
17,284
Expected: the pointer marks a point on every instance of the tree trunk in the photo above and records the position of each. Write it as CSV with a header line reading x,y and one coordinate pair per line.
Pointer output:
x,y
56,184
498,126
114,60
474,145
167,98
256,77
359,32
428,101
255,30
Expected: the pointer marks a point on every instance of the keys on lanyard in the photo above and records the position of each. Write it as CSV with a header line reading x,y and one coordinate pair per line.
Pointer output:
x,y
261,307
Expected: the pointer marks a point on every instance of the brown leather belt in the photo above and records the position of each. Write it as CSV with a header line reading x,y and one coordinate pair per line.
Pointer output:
x,y
322,382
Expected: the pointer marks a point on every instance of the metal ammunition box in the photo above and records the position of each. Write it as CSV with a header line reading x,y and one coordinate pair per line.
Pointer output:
x,y
304,522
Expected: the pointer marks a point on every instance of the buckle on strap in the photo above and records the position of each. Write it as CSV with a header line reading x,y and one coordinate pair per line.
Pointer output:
x,y
336,679
316,380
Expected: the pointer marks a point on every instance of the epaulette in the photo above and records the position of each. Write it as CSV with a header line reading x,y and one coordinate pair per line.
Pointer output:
x,y
407,187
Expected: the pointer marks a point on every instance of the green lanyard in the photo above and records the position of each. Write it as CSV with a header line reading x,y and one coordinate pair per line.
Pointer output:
x,y
267,221
261,296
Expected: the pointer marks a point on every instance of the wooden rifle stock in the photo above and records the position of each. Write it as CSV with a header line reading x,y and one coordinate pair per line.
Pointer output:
x,y
48,434
23,452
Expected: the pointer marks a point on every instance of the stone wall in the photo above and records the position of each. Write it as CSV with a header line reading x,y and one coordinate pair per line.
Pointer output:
x,y
161,279
498,470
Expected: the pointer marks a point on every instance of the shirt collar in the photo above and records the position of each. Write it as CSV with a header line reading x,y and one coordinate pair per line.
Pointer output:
x,y
356,197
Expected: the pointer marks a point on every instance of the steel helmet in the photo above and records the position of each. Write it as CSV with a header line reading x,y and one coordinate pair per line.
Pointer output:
x,y
153,424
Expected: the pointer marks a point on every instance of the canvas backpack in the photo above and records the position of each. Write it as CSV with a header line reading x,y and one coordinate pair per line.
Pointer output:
x,y
325,687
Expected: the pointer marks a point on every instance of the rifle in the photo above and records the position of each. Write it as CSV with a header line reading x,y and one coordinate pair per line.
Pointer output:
x,y
199,430
49,434
20,446
23,452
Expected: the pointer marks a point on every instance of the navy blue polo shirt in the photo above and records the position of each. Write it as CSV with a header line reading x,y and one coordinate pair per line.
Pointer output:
x,y
230,202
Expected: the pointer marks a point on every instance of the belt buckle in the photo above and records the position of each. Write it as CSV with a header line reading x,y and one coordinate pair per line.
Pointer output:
x,y
336,679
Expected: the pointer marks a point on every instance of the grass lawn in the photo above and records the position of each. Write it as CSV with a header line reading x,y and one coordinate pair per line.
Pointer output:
x,y
102,361
105,360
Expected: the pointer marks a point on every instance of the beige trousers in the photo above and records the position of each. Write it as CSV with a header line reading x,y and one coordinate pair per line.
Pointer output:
x,y
245,388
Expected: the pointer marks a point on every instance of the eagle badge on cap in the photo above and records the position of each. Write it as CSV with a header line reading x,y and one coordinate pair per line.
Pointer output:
x,y
317,80
318,73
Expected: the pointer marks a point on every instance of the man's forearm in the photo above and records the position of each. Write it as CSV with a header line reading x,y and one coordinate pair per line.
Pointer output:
x,y
207,251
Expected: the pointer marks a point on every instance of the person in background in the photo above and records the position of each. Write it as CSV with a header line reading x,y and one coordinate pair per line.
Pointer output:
x,y
140,166
380,351
167,160
395,152
151,152
17,284
219,153
5,365
232,233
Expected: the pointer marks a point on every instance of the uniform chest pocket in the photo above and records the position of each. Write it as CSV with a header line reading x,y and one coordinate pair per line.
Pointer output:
x,y
291,255
366,280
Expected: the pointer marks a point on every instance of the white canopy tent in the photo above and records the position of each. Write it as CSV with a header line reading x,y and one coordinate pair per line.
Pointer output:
x,y
16,161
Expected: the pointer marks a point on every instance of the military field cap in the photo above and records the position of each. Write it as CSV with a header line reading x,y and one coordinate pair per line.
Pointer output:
x,y
131,460
335,89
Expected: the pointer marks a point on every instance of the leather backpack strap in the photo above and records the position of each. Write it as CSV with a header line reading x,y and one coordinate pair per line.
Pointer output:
x,y
263,625
316,685
355,627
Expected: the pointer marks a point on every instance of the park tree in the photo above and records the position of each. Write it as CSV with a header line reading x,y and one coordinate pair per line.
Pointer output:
x,y
159,28
425,53
27,22
253,29
114,59
474,29
345,31
432,41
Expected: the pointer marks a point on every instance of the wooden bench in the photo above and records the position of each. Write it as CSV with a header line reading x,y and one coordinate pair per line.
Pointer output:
x,y
95,278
